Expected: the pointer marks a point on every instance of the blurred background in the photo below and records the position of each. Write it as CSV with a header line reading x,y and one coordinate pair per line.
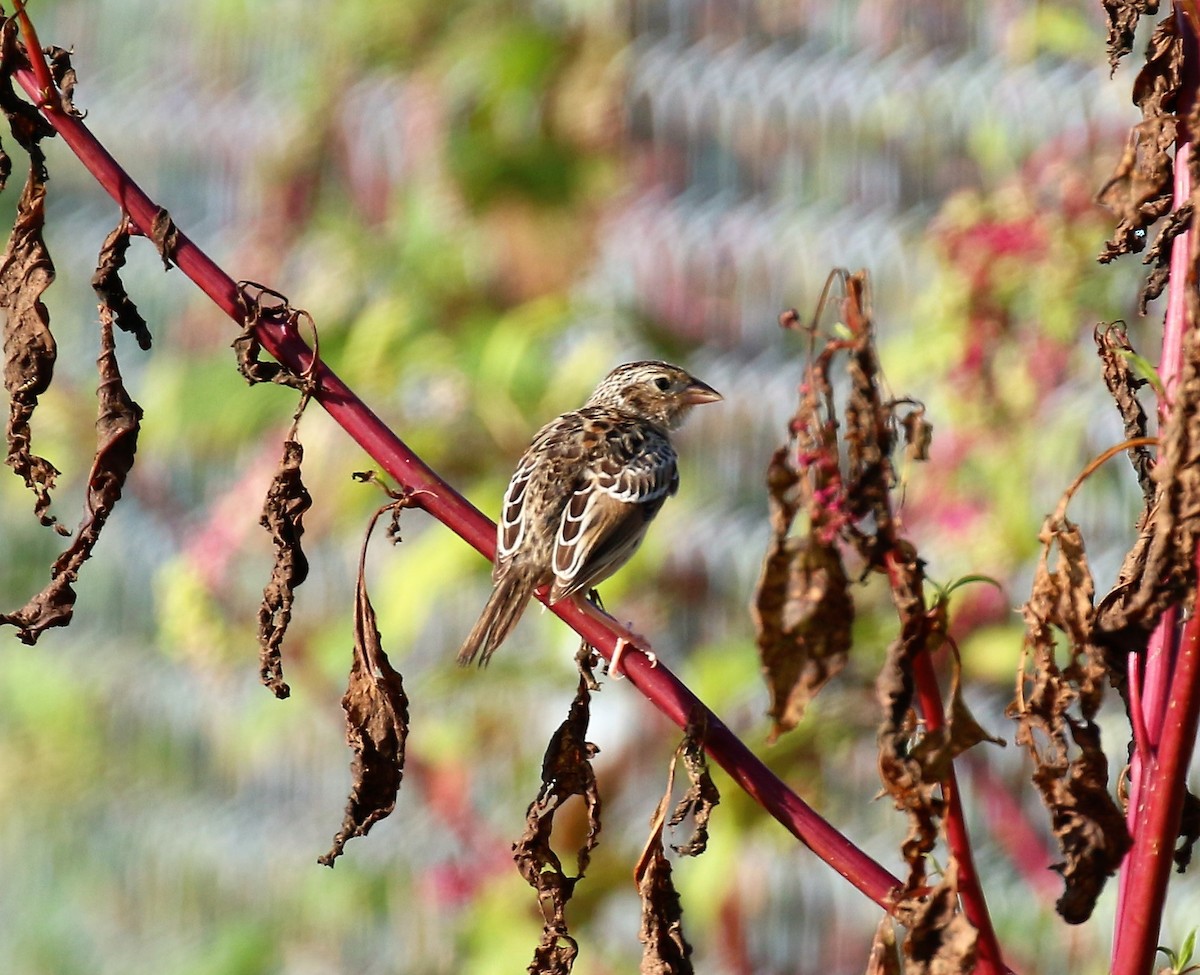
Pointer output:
x,y
485,205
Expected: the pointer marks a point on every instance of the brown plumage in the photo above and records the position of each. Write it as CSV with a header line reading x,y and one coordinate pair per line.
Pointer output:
x,y
583,493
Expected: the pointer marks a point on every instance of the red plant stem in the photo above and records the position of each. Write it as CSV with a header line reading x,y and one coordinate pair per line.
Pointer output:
x,y
988,958
658,684
1160,808
1165,684
929,696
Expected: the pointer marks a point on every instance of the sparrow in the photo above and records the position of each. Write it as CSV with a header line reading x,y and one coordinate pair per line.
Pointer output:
x,y
583,494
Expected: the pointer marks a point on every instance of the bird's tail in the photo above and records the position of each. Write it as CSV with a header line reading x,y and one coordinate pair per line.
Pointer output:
x,y
504,607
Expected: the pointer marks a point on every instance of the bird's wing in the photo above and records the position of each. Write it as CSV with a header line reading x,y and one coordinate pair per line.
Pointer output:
x,y
617,493
511,528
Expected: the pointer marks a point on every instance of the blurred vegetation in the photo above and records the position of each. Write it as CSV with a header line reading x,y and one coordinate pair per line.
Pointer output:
x,y
434,182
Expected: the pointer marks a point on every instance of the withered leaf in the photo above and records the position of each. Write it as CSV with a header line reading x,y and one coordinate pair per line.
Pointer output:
x,y
1159,569
665,951
1189,830
802,614
1140,190
1123,16
5,168
940,940
283,516
261,304
566,772
906,778
26,123
376,720
110,289
1158,257
1073,782
959,731
165,235
885,953
61,69
1112,344
701,797
26,271
118,421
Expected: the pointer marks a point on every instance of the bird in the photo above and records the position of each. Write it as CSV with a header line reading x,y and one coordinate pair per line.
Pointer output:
x,y
583,493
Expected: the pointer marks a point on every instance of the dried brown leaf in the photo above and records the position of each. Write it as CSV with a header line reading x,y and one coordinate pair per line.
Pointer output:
x,y
262,304
802,615
1123,16
1189,830
283,516
1158,257
566,772
110,289
61,69
1055,711
1159,570
376,719
1140,190
665,950
26,271
960,730
118,421
701,797
26,123
165,235
905,773
885,953
1114,349
940,940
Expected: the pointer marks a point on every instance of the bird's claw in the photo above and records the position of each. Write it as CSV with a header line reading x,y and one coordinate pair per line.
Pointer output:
x,y
614,666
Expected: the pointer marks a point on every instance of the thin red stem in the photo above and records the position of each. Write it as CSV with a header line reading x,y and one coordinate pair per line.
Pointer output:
x,y
1163,685
658,684
988,957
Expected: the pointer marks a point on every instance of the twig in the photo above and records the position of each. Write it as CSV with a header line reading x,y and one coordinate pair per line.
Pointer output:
x,y
658,684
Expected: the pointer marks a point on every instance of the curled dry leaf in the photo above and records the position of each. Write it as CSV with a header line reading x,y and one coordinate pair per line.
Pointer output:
x,y
1112,343
261,304
940,940
802,608
24,121
701,797
665,951
118,422
26,271
1123,16
1055,711
566,771
907,779
1140,190
110,289
1189,831
283,516
1159,570
63,73
376,718
885,954
1158,257
165,235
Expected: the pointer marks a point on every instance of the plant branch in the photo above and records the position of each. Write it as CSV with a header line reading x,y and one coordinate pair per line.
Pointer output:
x,y
989,959
1165,682
658,684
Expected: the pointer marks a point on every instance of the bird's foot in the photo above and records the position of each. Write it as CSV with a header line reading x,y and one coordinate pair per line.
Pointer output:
x,y
614,666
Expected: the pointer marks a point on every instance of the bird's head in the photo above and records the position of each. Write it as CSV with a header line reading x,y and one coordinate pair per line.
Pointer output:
x,y
654,391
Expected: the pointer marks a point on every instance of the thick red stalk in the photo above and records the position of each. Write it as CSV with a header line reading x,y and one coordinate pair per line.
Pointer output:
x,y
658,684
1165,684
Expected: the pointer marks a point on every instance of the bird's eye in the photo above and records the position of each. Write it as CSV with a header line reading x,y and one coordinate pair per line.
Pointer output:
x,y
663,383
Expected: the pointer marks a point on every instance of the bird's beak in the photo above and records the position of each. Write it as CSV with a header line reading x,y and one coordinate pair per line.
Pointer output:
x,y
697,392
